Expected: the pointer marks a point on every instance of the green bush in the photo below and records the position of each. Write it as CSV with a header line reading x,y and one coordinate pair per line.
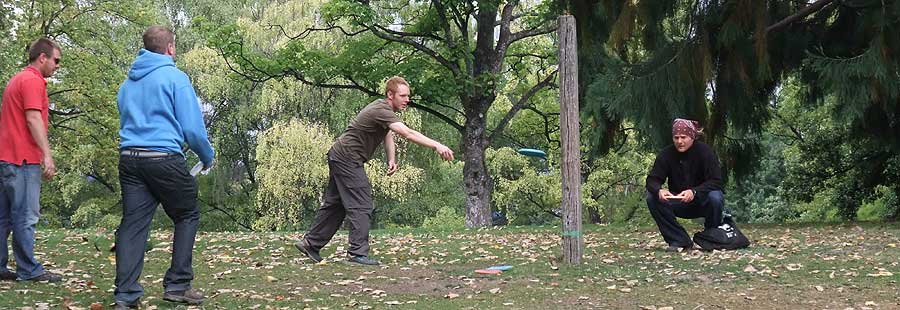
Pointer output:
x,y
292,171
883,207
446,218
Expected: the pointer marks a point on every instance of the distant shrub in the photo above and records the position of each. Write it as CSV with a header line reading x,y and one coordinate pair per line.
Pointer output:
x,y
446,218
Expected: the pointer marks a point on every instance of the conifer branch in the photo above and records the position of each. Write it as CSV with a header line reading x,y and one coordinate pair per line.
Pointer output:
x,y
812,8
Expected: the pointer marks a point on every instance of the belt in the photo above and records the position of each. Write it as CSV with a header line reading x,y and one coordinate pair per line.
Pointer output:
x,y
144,153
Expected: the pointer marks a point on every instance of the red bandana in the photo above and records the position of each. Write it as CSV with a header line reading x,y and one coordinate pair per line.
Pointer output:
x,y
685,127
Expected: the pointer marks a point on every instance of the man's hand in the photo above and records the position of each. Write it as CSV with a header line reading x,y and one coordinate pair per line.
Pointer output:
x,y
445,152
664,195
49,166
209,165
687,196
392,167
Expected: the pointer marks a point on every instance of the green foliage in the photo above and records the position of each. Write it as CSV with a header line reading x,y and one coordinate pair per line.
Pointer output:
x,y
292,172
884,206
439,189
614,186
446,218
520,191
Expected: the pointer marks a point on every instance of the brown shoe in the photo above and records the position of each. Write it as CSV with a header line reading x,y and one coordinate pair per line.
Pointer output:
x,y
190,297
307,249
47,277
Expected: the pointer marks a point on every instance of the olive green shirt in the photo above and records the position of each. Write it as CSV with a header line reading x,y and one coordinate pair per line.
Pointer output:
x,y
365,132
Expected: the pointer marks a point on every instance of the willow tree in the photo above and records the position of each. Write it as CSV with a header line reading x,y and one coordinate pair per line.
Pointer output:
x,y
455,53
721,62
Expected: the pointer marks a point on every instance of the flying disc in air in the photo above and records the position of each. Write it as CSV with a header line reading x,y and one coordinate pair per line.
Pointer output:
x,y
533,153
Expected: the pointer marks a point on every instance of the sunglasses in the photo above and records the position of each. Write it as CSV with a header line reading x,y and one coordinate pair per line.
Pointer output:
x,y
55,60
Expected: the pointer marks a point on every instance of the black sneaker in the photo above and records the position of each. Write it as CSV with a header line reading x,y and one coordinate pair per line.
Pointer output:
x,y
307,249
362,260
7,275
121,305
47,277
190,297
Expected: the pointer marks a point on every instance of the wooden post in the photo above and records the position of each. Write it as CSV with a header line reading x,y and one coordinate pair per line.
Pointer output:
x,y
573,242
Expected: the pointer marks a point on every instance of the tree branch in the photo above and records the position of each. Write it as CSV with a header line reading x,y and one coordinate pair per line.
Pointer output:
x,y
812,8
418,46
439,115
530,33
308,31
445,24
520,104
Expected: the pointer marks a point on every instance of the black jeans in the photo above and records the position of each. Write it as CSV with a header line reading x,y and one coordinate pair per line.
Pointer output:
x,y
709,206
145,183
349,194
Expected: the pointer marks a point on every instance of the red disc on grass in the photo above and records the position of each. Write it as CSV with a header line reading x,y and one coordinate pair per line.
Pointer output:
x,y
488,271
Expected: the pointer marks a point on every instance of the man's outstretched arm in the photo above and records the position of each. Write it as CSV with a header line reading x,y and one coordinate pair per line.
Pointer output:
x,y
420,139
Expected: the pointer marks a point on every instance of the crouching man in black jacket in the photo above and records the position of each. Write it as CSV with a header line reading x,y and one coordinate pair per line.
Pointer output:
x,y
694,178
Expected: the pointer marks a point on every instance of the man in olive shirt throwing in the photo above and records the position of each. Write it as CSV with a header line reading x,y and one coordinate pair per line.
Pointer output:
x,y
349,193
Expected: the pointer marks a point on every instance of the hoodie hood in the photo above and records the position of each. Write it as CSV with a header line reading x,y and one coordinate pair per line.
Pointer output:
x,y
147,62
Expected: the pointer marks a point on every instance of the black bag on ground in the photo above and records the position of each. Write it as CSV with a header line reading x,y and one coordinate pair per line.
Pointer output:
x,y
725,237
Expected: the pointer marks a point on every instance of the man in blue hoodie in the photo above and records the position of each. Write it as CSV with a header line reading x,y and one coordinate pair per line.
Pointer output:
x,y
159,112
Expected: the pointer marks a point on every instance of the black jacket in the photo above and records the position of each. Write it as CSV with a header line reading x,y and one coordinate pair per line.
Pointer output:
x,y
697,169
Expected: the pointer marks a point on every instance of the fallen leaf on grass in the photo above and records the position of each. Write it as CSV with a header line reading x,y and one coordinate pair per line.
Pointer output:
x,y
881,273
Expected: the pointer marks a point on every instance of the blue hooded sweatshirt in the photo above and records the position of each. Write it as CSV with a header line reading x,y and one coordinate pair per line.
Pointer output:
x,y
158,109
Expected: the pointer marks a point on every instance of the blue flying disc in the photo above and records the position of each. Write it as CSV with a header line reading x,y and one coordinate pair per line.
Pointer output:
x,y
502,268
533,153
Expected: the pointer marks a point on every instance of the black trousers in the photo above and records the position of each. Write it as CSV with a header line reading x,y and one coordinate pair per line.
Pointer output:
x,y
709,206
146,182
348,195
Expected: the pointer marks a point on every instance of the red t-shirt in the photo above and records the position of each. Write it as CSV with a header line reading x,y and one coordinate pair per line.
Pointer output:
x,y
27,90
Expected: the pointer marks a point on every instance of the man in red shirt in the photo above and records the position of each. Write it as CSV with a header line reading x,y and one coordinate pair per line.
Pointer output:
x,y
24,150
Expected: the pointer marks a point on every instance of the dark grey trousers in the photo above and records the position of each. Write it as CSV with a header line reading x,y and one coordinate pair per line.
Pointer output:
x,y
146,182
349,194
708,206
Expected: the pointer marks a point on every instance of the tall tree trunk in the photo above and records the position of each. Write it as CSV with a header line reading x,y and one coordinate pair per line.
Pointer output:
x,y
475,174
476,102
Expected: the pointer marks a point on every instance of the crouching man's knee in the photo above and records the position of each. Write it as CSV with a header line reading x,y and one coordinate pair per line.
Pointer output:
x,y
716,199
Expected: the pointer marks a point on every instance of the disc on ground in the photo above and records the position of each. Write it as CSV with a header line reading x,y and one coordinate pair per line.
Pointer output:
x,y
488,271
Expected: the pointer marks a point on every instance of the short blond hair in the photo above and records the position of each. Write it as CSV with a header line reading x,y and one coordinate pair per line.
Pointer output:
x,y
393,83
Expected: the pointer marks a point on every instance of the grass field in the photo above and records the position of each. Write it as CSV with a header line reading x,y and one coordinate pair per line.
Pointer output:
x,y
787,267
